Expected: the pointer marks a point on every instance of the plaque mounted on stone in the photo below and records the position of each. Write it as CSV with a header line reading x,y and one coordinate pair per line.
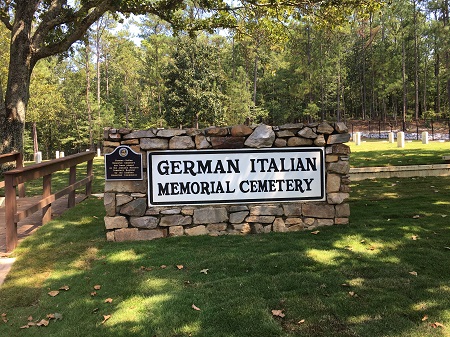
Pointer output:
x,y
123,164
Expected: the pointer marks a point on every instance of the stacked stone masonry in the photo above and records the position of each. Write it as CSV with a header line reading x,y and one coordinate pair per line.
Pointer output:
x,y
128,216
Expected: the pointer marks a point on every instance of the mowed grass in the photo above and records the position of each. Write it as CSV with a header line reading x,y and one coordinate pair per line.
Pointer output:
x,y
381,153
387,273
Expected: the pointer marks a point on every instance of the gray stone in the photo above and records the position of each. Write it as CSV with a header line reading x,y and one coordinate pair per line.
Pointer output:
x,y
110,236
341,167
238,208
266,210
325,222
140,134
171,211
215,131
338,149
296,126
338,138
330,158
342,210
202,142
285,134
333,182
341,221
210,215
318,210
280,142
152,211
129,142
337,198
136,207
296,228
292,209
168,133
187,211
109,201
126,234
257,228
243,229
113,222
262,136
197,230
265,219
238,217
299,141
138,195
150,234
217,227
123,186
122,199
293,221
176,231
181,143
154,144
227,142
307,132
325,128
320,141
279,226
175,220
147,222
111,144
340,127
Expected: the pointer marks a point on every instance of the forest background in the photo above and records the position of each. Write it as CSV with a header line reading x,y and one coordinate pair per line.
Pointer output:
x,y
391,64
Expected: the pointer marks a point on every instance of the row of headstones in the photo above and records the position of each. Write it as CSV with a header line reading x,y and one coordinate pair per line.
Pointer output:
x,y
58,154
400,138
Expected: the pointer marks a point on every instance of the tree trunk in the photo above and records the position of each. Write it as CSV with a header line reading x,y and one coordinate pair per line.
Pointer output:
x,y
88,95
21,63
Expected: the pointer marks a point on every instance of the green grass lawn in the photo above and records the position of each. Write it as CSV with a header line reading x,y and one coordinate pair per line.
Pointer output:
x,y
387,273
381,153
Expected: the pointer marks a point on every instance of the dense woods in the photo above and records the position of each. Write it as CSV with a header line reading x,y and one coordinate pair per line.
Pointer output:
x,y
393,63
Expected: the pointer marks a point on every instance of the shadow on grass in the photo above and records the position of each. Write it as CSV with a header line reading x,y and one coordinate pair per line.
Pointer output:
x,y
369,278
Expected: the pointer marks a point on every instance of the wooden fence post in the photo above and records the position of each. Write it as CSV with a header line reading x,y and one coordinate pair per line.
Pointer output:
x,y
72,180
46,189
10,212
89,172
19,164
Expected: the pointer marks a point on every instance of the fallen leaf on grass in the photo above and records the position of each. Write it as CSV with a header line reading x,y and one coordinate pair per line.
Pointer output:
x,y
108,300
424,318
437,325
53,293
4,319
416,216
301,321
64,288
204,271
362,241
353,294
94,293
278,313
195,307
146,268
97,287
105,318
315,232
163,266
43,322
180,266
414,273
414,237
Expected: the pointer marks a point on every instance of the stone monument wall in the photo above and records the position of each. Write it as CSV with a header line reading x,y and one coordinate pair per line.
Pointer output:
x,y
129,217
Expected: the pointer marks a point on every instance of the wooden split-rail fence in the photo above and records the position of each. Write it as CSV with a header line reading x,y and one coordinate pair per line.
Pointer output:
x,y
14,186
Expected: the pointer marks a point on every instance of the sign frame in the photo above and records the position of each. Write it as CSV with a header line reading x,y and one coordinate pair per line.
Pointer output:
x,y
297,152
124,151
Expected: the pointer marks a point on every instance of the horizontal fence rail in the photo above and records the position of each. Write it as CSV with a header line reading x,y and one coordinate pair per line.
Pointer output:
x,y
18,159
19,176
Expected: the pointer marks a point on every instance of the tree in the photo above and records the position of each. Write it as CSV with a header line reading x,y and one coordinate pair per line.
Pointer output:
x,y
42,28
